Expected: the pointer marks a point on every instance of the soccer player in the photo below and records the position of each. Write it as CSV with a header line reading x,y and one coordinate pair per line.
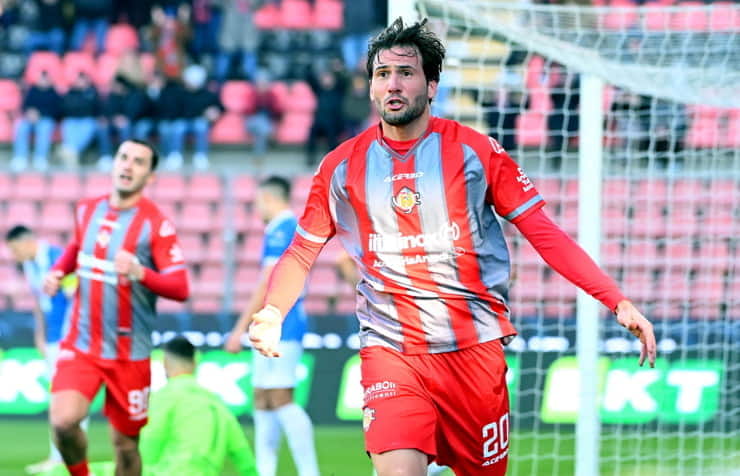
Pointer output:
x,y
275,379
36,256
190,430
414,202
125,254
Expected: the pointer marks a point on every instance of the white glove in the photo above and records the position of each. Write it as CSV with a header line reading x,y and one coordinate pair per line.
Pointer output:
x,y
265,330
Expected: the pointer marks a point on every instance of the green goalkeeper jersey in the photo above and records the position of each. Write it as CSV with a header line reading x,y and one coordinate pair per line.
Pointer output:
x,y
190,431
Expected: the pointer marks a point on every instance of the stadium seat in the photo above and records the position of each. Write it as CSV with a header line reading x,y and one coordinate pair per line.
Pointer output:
x,y
330,253
196,217
250,251
316,306
229,129
724,17
656,19
192,247
76,62
640,254
614,221
731,137
345,306
301,98
30,186
10,96
97,184
322,282
615,191
620,19
687,191
724,192
568,218
301,188
170,188
105,71
205,187
719,222
210,283
638,285
244,188
527,256
648,221
43,61
247,278
296,14
168,306
531,129
690,18
527,284
707,295
267,17
65,186
328,14
678,254
704,126
170,211
714,254
294,128
549,189
650,191
238,96
121,37
280,90
681,220
6,127
611,254
148,64
56,217
20,212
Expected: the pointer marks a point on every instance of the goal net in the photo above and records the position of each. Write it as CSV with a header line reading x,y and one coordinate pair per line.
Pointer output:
x,y
670,214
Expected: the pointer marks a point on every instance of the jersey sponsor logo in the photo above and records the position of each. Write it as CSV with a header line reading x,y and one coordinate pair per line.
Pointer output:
x,y
406,199
442,239
368,415
176,255
166,229
85,260
97,276
496,146
411,176
383,389
524,180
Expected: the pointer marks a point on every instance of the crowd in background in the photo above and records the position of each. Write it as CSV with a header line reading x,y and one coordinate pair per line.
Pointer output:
x,y
197,46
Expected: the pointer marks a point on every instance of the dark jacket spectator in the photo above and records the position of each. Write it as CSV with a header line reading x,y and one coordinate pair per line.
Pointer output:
x,y
169,103
356,104
81,100
40,109
327,123
198,101
43,99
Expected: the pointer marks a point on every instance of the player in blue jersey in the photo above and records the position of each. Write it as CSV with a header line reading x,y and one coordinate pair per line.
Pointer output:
x,y
36,257
275,379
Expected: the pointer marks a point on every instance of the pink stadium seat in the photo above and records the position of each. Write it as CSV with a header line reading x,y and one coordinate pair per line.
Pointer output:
x,y
105,71
611,254
531,129
648,221
328,14
148,64
168,306
704,126
535,70
527,255
206,305
30,186
614,220
679,254
43,61
20,212
640,254
681,220
244,188
301,98
656,19
689,191
281,92
638,284
170,211
65,186
690,17
528,284
294,128
295,14
267,17
121,37
6,128
238,96
97,184
731,137
345,306
215,248
707,295
322,282
549,188
247,278
196,217
714,255
76,62
724,16
316,306
650,191
229,129
724,192
23,302
170,188
620,19
568,218
56,218
205,187
192,247
330,253
615,191
10,96
719,222
251,249
301,189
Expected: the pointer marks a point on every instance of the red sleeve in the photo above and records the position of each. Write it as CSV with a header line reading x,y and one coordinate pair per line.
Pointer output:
x,y
316,223
567,258
173,285
166,252
288,277
510,190
67,262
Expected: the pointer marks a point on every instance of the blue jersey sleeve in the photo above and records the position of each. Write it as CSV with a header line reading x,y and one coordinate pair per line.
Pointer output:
x,y
277,241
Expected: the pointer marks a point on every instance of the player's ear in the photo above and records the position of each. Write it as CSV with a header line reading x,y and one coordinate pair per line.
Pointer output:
x,y
432,89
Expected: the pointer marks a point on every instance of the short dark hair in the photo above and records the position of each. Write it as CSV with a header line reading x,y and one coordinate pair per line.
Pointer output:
x,y
18,232
417,36
155,154
180,347
279,185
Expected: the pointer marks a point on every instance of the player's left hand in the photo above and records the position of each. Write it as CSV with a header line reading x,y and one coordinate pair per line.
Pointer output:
x,y
265,330
629,317
127,264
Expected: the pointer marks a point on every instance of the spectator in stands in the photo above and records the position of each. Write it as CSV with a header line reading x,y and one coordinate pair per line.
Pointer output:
x,y
359,23
207,20
627,123
503,108
239,36
666,131
80,113
169,35
91,16
327,123
562,123
201,108
47,33
356,105
40,109
168,98
123,113
130,68
267,111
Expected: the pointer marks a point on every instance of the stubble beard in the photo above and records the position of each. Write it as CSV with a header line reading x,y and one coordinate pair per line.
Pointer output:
x,y
413,111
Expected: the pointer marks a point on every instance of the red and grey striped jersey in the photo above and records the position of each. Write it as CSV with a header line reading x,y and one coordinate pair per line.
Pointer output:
x,y
113,317
423,230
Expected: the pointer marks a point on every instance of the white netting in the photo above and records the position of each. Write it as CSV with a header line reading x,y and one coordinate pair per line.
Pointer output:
x,y
670,214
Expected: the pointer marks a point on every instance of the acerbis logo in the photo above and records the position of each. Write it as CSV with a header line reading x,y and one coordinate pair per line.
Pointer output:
x,y
411,176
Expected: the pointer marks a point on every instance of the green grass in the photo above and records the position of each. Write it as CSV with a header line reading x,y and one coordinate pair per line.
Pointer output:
x,y
340,452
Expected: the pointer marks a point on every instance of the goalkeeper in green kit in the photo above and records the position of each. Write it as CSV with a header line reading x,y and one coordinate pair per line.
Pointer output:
x,y
190,431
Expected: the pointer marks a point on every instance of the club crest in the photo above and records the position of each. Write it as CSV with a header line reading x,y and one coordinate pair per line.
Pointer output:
x,y
368,415
406,199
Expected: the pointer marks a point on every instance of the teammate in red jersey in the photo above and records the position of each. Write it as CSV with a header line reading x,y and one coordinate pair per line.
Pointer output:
x,y
125,253
414,202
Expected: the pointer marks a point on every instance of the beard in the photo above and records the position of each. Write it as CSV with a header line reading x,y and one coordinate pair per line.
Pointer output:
x,y
413,111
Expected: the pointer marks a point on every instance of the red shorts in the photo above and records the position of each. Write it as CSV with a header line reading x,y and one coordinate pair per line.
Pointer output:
x,y
453,406
126,386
